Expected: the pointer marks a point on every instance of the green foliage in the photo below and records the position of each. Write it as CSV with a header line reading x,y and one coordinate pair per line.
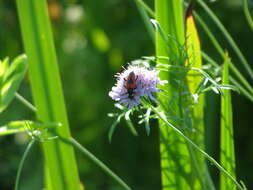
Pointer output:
x,y
247,13
47,92
227,152
10,79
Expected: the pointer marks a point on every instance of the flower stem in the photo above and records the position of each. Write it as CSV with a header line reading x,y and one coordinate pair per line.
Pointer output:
x,y
21,164
212,160
25,102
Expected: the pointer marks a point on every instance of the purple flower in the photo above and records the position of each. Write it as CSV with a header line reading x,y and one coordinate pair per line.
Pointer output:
x,y
144,83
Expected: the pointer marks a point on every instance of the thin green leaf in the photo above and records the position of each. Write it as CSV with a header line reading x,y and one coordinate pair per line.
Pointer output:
x,y
99,163
170,37
11,81
3,68
233,81
129,123
144,10
221,52
146,119
228,37
227,152
194,79
26,126
162,116
247,13
113,126
21,164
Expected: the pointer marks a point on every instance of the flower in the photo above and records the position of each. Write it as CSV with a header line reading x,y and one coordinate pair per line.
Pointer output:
x,y
144,83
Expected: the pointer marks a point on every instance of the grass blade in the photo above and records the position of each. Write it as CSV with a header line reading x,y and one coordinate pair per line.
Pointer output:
x,y
247,13
221,52
21,164
144,10
194,79
169,16
228,37
129,123
227,153
47,92
98,163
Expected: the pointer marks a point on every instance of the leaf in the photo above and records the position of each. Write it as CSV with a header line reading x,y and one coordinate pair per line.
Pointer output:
x,y
146,119
129,123
227,154
195,83
113,126
247,13
26,125
12,78
3,67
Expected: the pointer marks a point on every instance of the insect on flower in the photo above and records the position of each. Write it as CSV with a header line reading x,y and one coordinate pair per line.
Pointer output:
x,y
130,84
134,83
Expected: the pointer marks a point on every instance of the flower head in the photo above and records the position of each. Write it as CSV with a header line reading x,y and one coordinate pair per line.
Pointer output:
x,y
133,83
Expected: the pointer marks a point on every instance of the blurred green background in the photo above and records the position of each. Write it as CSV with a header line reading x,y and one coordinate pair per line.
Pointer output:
x,y
94,39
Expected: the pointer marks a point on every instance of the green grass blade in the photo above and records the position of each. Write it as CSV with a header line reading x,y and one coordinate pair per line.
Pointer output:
x,y
221,52
143,9
130,124
194,79
212,160
47,91
227,153
98,163
241,88
174,170
247,13
21,164
228,37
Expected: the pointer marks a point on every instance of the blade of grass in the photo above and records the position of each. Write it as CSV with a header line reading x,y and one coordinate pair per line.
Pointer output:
x,y
21,164
227,153
98,162
221,52
144,10
129,123
212,160
194,79
247,13
228,37
238,85
47,92
174,170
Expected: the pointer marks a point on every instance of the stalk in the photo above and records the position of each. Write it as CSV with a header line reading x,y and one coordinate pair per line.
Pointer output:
x,y
227,152
60,164
175,159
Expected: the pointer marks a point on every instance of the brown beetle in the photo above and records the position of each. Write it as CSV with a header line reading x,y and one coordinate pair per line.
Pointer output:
x,y
130,84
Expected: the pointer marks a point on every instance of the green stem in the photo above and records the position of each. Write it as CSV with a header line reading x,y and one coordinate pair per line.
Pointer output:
x,y
21,164
25,102
213,161
146,7
98,163
241,88
47,92
247,13
222,54
143,9
228,37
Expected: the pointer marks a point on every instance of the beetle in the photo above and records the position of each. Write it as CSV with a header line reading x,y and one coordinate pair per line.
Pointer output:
x,y
130,84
